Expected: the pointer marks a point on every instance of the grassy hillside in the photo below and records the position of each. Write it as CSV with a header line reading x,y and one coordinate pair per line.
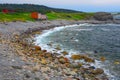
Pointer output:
x,y
22,13
51,16
69,16
15,17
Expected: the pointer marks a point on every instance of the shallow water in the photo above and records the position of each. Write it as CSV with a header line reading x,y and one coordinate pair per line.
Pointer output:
x,y
98,40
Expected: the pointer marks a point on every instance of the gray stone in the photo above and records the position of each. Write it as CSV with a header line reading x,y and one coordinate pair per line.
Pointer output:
x,y
103,16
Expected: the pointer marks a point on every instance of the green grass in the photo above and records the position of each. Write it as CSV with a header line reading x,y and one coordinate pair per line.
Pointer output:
x,y
51,16
15,17
69,16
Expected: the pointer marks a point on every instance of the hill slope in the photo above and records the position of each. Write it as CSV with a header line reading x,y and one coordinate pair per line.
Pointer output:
x,y
23,13
32,7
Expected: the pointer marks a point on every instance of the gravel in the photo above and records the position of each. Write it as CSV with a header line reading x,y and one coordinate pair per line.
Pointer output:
x,y
11,64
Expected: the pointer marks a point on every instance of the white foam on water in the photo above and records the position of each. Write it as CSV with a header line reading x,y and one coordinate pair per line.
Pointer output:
x,y
76,40
105,29
45,33
98,64
40,39
82,29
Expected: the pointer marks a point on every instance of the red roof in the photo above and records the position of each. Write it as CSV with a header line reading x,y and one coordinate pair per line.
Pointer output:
x,y
5,11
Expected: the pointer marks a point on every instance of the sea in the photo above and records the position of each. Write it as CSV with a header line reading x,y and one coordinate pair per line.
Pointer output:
x,y
95,40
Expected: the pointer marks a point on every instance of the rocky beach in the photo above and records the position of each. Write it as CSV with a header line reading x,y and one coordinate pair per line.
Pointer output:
x,y
20,59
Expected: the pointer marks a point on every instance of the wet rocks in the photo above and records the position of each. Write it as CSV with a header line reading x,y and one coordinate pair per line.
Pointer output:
x,y
37,47
102,59
98,71
116,62
84,57
76,65
64,53
58,48
91,67
90,60
77,57
44,50
63,60
47,55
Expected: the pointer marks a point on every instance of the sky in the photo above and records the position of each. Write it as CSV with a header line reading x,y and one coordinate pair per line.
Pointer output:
x,y
80,5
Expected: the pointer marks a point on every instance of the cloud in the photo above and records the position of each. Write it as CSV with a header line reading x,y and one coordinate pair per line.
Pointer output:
x,y
77,2
84,5
105,2
66,2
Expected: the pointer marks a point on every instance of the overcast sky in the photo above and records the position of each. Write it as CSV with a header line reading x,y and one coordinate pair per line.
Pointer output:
x,y
81,5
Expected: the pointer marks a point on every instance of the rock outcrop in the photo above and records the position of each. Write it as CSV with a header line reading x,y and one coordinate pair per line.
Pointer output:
x,y
103,16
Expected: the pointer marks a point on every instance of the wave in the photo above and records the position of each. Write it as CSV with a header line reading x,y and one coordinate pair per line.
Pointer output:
x,y
82,29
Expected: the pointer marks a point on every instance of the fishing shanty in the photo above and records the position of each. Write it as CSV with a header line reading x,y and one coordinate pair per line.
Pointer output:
x,y
38,16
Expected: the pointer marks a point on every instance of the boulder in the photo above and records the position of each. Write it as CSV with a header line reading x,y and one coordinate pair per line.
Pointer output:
x,y
62,60
65,53
37,47
98,71
103,16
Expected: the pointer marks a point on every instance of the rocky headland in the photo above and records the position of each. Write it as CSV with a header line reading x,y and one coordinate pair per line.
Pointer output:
x,y
103,16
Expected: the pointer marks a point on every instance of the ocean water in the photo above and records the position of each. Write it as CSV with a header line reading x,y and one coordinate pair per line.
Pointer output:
x,y
96,40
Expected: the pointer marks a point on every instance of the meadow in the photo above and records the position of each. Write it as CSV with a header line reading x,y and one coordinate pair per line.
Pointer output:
x,y
15,17
22,16
69,16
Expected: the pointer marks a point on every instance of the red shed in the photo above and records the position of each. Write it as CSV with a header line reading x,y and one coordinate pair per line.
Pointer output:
x,y
5,10
34,15
38,16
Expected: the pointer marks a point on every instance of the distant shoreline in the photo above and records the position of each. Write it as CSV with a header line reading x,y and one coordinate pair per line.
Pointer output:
x,y
68,22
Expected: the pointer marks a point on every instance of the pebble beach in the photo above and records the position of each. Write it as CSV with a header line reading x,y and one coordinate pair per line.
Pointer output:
x,y
20,59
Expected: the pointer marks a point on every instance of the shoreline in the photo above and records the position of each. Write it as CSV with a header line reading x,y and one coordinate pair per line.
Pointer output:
x,y
53,49
16,35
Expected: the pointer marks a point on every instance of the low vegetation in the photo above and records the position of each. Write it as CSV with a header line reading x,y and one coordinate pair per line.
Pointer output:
x,y
69,16
51,16
15,17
